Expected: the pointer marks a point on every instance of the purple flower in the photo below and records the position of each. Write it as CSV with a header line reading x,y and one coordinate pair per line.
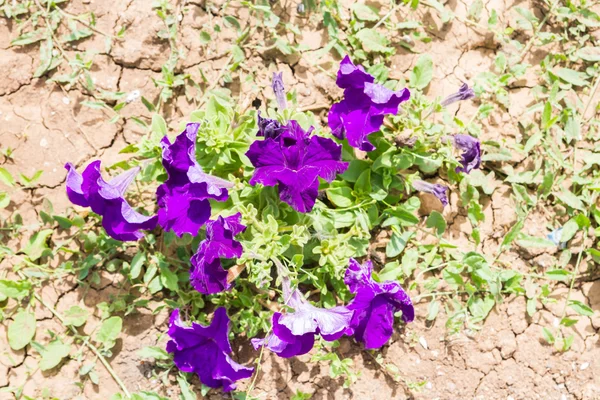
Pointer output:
x,y
183,204
364,106
269,128
294,333
107,199
374,305
279,89
435,189
204,350
464,93
294,160
471,156
207,274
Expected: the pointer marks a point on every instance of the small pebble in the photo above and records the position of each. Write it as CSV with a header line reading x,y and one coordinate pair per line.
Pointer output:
x,y
423,342
66,100
584,366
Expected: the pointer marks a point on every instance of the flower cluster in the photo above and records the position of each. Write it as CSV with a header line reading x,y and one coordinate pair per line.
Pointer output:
x,y
207,274
107,199
364,106
293,159
204,350
369,316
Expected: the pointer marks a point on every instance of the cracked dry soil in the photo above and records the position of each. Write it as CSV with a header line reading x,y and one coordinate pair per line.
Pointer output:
x,y
47,126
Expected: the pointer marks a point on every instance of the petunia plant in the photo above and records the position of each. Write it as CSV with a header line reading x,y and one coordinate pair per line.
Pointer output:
x,y
264,215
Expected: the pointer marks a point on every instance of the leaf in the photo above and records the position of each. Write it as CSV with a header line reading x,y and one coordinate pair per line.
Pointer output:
x,y
558,275
570,199
475,10
205,37
436,220
97,105
186,391
15,289
373,41
591,54
136,265
422,73
512,234
432,310
533,242
37,244
581,308
21,330
397,244
548,336
547,120
364,13
29,38
4,200
480,307
6,177
159,125
573,77
168,278
76,316
573,129
53,354
109,331
341,196
158,353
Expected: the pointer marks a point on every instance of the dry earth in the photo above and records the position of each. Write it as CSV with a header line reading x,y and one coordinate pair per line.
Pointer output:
x,y
46,126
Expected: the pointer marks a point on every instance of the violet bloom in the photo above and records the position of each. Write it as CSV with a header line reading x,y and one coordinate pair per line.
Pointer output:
x,y
207,274
183,204
464,93
374,305
269,128
107,199
439,191
294,333
364,106
279,90
294,160
204,350
471,156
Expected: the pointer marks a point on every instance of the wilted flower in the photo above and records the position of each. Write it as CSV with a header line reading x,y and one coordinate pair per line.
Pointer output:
x,y
207,274
464,93
279,90
183,204
294,160
471,156
364,106
269,128
555,237
107,199
374,305
294,333
204,350
435,189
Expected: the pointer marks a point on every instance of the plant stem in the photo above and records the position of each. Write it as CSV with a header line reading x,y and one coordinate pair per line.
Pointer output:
x,y
93,348
536,31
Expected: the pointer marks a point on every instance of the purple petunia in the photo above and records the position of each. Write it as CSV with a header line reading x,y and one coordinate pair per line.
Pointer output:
x,y
374,305
464,93
269,128
294,160
207,274
364,106
204,350
471,156
279,90
439,191
107,199
183,204
294,333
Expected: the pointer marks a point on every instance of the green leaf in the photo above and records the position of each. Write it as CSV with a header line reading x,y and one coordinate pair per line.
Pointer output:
x,y
4,200
547,120
573,128
480,307
53,354
534,242
363,183
570,199
21,330
158,353
373,41
341,196
6,177
168,278
591,54
109,331
136,265
15,289
205,37
29,37
97,105
186,391
76,316
581,308
436,220
558,275
573,77
475,10
159,125
364,13
397,244
432,310
422,73
37,244
512,234
548,336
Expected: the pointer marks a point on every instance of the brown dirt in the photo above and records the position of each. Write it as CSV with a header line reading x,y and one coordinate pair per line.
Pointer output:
x,y
47,126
